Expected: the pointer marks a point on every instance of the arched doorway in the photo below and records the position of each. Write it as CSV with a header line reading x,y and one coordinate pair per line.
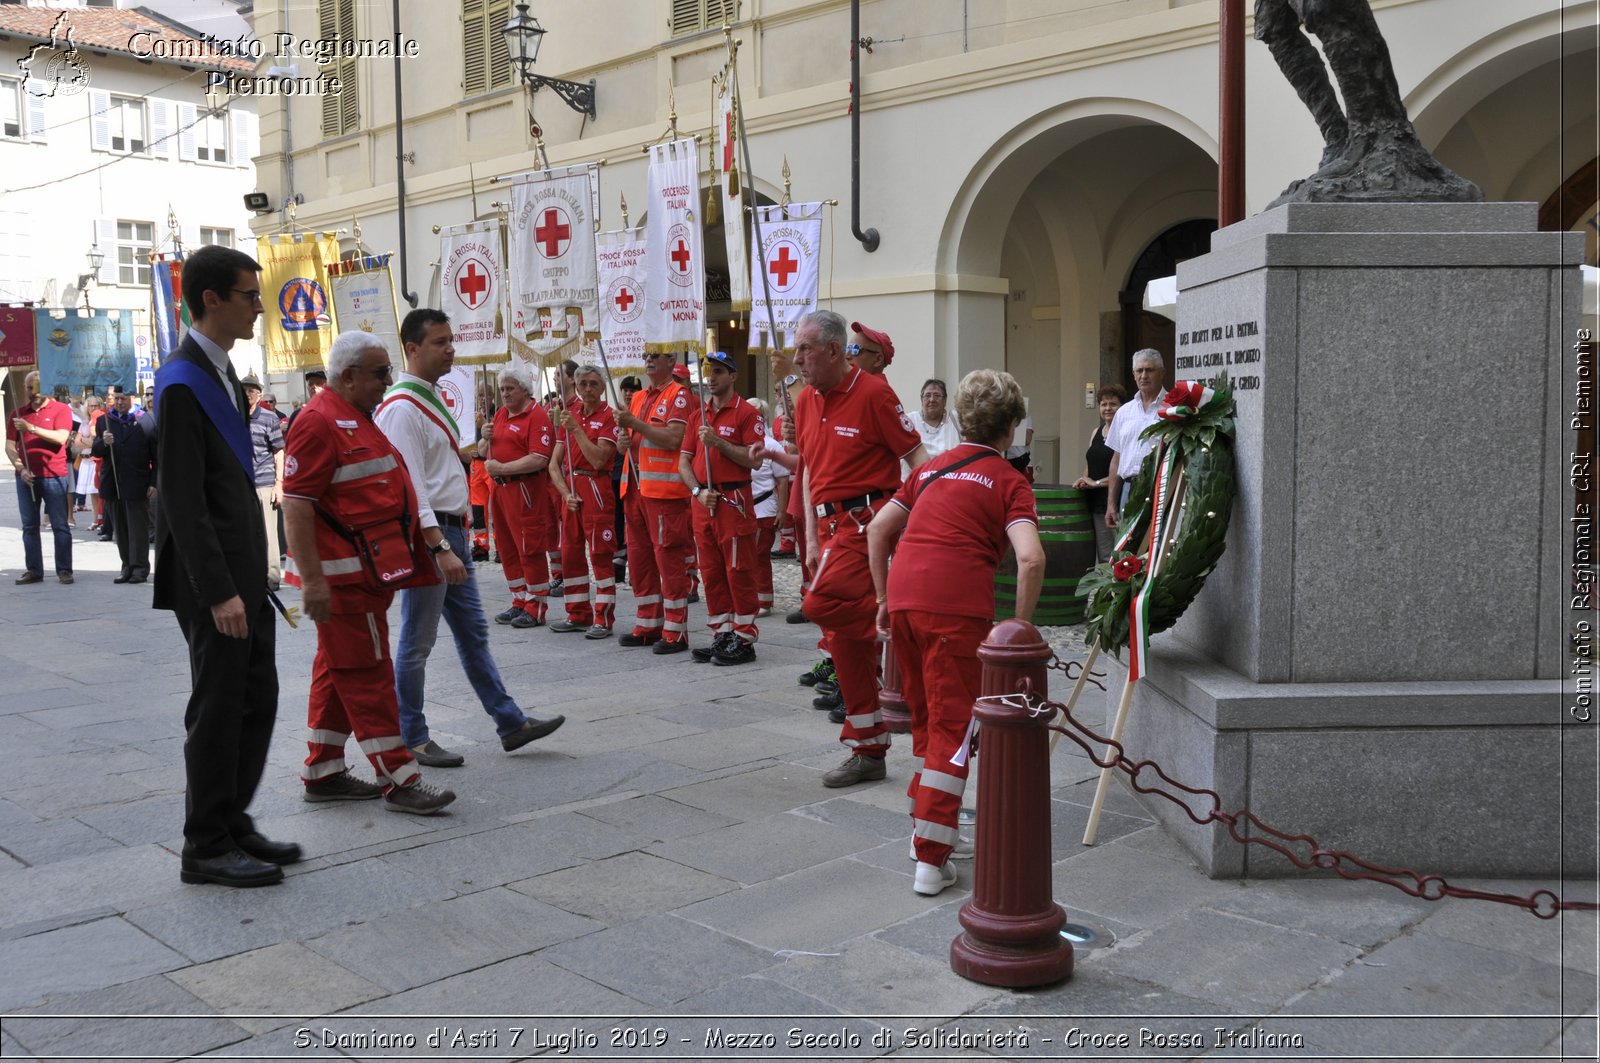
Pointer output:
x,y
1160,258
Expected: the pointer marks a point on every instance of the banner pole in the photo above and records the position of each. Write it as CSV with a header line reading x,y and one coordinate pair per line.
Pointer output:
x,y
761,254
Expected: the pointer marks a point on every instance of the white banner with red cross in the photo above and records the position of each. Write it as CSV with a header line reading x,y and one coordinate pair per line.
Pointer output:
x,y
621,256
472,290
551,232
791,238
733,230
675,277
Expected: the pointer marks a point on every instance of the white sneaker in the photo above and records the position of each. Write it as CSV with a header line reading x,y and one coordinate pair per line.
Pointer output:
x,y
931,880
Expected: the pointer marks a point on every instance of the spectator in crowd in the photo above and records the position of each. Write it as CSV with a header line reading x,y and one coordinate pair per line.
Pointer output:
x,y
84,472
36,444
316,380
266,445
1128,450
933,422
519,446
953,520
126,442
1097,467
588,452
1020,452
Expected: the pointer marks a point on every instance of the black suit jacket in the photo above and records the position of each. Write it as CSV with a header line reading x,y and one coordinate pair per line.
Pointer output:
x,y
210,541
134,454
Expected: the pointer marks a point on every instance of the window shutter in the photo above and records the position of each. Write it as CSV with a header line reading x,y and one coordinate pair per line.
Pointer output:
x,y
686,16
239,143
497,59
105,238
475,71
37,123
160,128
188,115
328,26
99,122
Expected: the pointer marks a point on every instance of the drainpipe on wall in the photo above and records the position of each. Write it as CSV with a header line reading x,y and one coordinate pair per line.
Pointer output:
x,y
868,237
400,160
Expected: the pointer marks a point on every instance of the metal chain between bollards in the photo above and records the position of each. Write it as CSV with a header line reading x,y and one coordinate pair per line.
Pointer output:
x,y
1542,903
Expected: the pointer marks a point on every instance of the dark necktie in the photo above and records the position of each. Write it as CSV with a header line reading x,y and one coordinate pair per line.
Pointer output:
x,y
238,389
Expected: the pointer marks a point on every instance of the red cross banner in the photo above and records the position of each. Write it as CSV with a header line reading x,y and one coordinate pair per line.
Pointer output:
x,y
621,256
472,290
733,230
675,273
792,241
297,317
363,298
551,233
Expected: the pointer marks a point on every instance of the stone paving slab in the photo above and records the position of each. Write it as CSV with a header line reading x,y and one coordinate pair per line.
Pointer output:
x,y
93,955
626,887
658,960
268,988
95,1025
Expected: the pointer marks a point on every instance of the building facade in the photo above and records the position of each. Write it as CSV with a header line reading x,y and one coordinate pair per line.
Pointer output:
x,y
1029,164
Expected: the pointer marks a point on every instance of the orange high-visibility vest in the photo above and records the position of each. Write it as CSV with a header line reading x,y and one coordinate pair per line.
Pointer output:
x,y
658,466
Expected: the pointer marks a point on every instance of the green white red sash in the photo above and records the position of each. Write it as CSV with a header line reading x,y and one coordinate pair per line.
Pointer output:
x,y
429,403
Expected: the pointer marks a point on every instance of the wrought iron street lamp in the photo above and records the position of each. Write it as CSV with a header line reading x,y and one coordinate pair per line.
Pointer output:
x,y
96,259
523,36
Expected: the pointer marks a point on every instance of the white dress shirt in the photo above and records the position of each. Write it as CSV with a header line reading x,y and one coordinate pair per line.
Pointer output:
x,y
435,467
765,477
219,362
1132,418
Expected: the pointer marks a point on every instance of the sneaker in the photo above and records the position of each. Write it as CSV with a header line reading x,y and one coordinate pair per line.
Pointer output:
x,y
564,626
419,799
531,731
823,669
64,577
431,754
634,639
702,654
664,647
836,714
856,768
29,577
556,587
736,651
342,787
480,553
828,702
597,632
509,615
764,612
694,598
797,617
828,688
931,880
782,555
524,619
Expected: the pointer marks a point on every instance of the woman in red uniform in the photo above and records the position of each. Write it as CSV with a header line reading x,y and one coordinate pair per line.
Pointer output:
x,y
954,518
520,445
588,445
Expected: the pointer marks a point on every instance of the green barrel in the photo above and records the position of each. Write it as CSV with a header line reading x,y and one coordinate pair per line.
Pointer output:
x,y
1067,532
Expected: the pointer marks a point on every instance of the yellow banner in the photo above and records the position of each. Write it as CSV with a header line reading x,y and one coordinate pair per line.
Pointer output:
x,y
297,316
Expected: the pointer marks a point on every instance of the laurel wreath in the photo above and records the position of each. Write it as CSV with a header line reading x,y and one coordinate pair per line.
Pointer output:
x,y
1205,442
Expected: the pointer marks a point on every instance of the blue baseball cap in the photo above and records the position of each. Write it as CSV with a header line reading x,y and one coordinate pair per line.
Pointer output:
x,y
722,358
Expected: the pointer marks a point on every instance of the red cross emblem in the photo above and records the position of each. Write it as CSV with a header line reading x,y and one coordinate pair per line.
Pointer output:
x,y
472,284
680,257
553,233
783,264
624,300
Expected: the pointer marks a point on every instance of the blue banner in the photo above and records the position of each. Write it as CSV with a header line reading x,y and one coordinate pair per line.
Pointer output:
x,y
84,352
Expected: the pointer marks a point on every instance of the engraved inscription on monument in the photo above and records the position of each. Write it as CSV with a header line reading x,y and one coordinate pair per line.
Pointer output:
x,y
1233,349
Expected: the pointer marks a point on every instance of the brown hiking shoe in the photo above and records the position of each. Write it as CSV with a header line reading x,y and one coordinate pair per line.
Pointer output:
x,y
342,787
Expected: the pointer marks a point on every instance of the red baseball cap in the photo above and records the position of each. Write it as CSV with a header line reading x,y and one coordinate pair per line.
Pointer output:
x,y
681,371
880,338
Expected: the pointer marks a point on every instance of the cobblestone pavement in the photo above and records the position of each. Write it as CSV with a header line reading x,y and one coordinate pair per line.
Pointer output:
x,y
662,875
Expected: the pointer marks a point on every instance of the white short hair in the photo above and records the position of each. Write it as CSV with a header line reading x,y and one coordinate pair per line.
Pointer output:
x,y
1149,356
347,350
518,373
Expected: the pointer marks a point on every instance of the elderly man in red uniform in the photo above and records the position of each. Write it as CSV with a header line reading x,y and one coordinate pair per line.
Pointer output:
x,y
853,435
350,513
586,448
521,443
657,503
724,441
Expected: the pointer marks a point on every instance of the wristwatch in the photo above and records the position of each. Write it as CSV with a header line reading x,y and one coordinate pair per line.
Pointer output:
x,y
442,547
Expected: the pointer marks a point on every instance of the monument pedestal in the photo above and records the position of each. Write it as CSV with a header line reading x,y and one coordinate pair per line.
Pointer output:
x,y
1377,659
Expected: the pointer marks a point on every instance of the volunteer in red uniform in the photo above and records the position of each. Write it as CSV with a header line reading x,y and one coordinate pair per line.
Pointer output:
x,y
723,443
587,445
958,513
657,501
691,560
521,442
350,513
853,434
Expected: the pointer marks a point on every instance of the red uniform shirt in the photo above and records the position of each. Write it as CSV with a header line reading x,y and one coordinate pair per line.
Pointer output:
x,y
518,435
956,536
739,423
45,459
853,437
599,426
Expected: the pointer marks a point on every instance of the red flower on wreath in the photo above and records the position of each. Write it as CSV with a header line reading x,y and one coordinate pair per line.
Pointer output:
x,y
1183,400
1125,568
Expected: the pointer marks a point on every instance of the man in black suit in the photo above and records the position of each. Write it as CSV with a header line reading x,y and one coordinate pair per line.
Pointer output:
x,y
211,571
126,443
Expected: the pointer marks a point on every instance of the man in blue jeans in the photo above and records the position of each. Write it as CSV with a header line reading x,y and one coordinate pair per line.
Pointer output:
x,y
36,444
414,417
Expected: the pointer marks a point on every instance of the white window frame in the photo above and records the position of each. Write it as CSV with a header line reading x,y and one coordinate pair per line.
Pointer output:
x,y
216,235
210,134
30,108
116,108
139,252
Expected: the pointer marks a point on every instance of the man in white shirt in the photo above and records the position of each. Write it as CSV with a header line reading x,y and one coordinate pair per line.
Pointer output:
x,y
416,421
1133,417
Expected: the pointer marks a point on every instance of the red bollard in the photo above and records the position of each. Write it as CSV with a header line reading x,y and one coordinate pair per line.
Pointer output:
x,y
1013,927
891,703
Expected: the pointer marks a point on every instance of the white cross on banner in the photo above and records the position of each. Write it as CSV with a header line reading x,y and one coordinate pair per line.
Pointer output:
x,y
733,229
793,247
472,290
621,257
552,248
675,315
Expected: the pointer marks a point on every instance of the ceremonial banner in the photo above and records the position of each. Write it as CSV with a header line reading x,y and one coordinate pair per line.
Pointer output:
x,y
363,298
551,234
84,352
472,290
622,296
170,316
675,314
459,389
733,229
793,246
296,322
16,337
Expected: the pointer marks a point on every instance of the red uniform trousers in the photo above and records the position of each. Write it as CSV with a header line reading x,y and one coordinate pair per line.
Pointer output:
x,y
842,601
642,574
479,488
556,548
939,677
766,535
663,539
352,692
522,528
590,528
726,543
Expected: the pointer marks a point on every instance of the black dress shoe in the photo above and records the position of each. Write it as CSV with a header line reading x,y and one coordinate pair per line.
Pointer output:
x,y
233,868
138,577
121,579
272,852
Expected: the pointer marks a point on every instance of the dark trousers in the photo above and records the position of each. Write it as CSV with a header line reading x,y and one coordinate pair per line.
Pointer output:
x,y
229,723
132,533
